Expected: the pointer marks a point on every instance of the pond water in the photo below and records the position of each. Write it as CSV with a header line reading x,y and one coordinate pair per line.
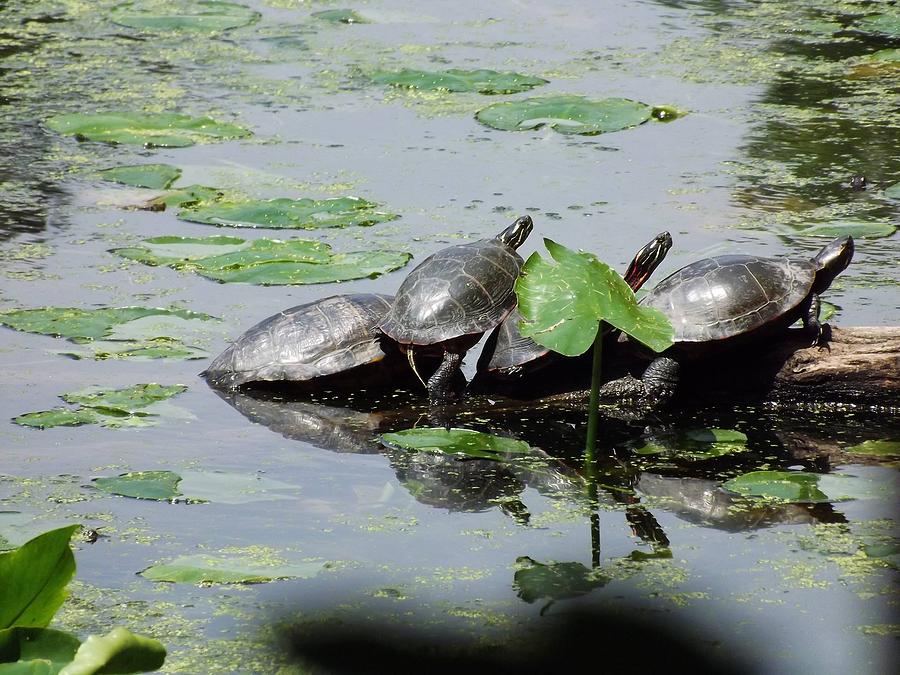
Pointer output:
x,y
780,105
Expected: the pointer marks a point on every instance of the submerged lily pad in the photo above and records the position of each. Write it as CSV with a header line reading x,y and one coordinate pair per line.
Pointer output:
x,y
263,261
481,81
182,15
555,581
196,569
786,486
893,191
566,114
855,228
289,213
463,442
154,176
339,16
164,130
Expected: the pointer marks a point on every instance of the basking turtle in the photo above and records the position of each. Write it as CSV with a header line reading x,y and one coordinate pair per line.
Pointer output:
x,y
509,354
325,338
730,300
452,298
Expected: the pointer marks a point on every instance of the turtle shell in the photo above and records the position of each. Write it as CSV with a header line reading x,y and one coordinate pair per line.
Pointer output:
x,y
320,338
732,295
461,290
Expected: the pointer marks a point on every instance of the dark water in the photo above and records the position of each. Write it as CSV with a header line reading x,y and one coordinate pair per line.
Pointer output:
x,y
780,117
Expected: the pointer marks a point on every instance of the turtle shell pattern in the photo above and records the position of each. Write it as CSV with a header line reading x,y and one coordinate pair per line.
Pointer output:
x,y
460,290
726,296
320,338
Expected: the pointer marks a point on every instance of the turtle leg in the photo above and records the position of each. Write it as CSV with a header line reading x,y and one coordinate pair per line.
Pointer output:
x,y
440,384
811,320
655,388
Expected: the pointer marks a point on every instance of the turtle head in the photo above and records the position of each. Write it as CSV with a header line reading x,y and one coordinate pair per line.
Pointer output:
x,y
647,260
518,232
831,261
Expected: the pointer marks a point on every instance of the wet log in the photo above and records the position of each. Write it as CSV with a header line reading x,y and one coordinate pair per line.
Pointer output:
x,y
857,365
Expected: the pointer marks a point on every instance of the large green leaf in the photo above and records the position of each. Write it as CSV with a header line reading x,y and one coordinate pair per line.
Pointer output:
x,y
35,651
127,400
221,487
786,486
165,130
339,16
264,261
182,15
289,213
119,651
858,229
564,303
566,114
88,324
57,417
155,176
198,569
189,195
463,442
33,578
481,81
887,24
158,485
555,581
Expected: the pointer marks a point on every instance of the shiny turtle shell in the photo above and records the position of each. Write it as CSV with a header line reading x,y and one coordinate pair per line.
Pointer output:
x,y
318,339
461,290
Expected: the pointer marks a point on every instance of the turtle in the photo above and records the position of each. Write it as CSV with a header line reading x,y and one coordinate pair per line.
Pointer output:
x,y
326,338
509,354
718,303
452,298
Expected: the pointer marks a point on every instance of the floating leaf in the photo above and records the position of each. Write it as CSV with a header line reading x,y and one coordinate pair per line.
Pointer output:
x,y
289,213
893,191
33,578
119,651
157,348
556,581
880,24
566,114
339,16
182,15
855,228
481,81
127,400
264,261
57,417
786,486
87,324
198,569
878,448
564,303
34,651
713,435
155,176
463,442
159,485
186,196
164,130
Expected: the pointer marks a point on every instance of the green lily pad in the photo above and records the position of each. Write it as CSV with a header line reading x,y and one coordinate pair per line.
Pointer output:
x,y
189,195
57,417
197,569
164,130
33,578
339,16
713,435
156,348
563,304
857,229
263,261
127,400
893,191
885,56
566,114
785,486
36,650
877,448
119,651
182,15
463,442
556,581
88,324
289,213
880,24
159,485
481,81
155,176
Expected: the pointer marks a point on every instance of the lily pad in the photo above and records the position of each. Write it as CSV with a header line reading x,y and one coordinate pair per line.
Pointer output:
x,y
566,114
555,581
713,435
164,130
33,578
189,195
182,15
880,24
159,485
289,213
197,569
893,191
855,228
156,348
481,81
196,487
263,261
785,486
462,442
877,448
564,303
87,324
339,16
154,176
127,400
119,651
36,650
57,417
885,56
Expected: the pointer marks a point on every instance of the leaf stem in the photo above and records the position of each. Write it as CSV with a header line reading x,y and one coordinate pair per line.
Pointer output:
x,y
594,401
